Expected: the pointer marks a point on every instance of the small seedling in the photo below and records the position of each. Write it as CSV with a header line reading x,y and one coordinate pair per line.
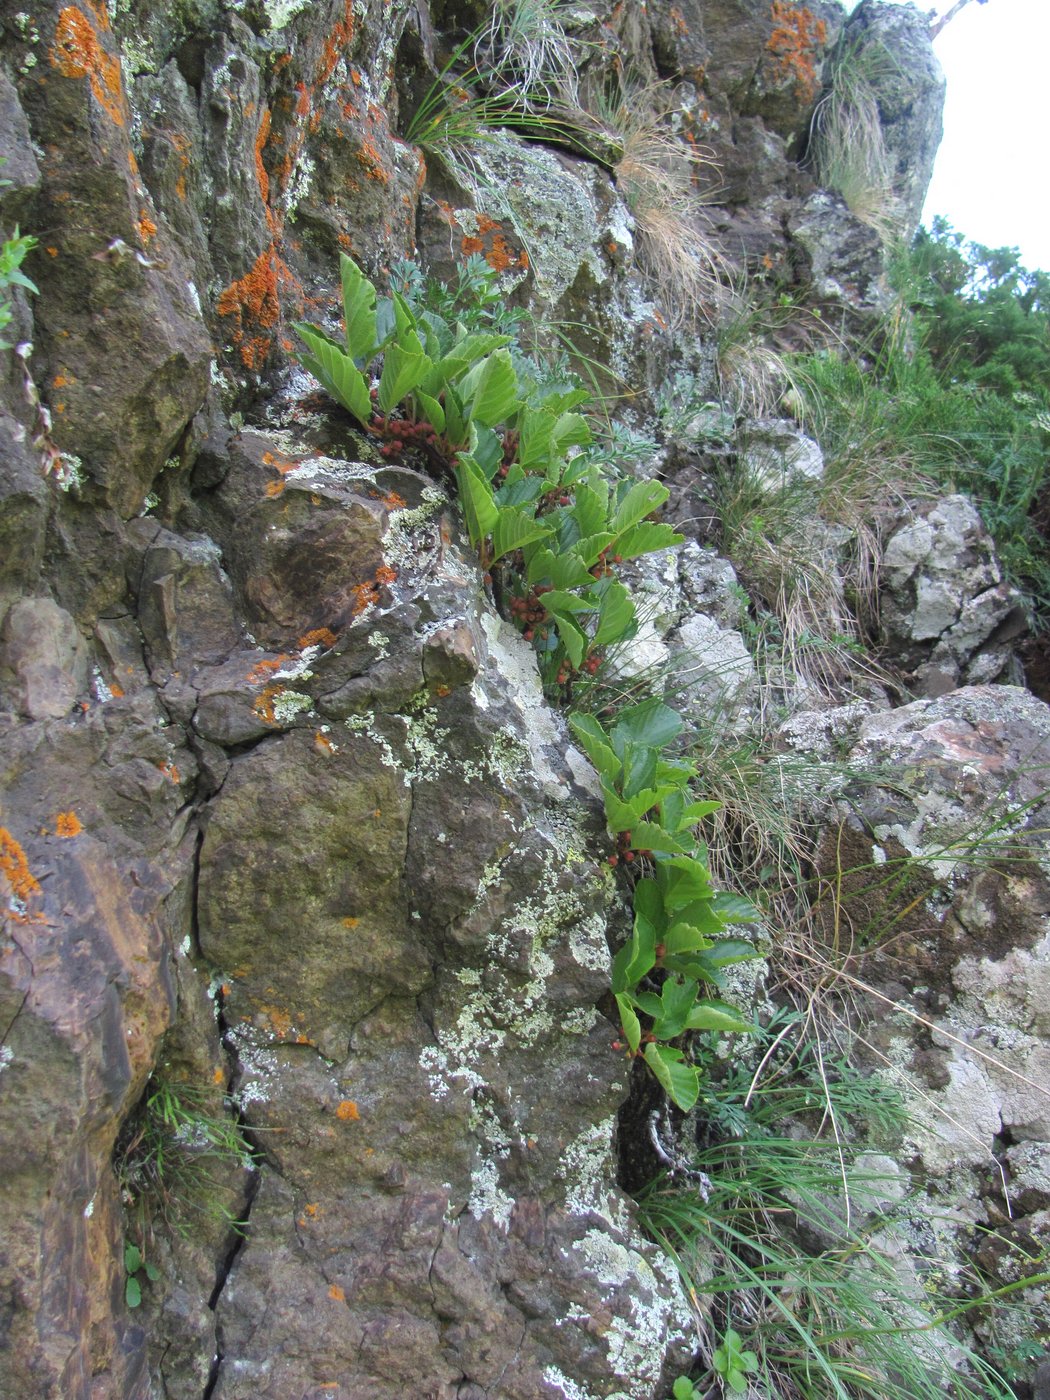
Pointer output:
x,y
732,1363
135,1266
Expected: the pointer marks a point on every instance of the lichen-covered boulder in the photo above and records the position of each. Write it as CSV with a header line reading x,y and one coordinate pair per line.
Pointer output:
x,y
947,614
939,858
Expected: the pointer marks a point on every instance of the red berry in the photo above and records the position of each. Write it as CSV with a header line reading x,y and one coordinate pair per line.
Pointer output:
x,y
614,860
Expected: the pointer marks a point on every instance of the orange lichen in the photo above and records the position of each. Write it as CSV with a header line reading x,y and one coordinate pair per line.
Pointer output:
x,y
385,574
262,670
15,868
393,501
253,301
117,691
77,53
340,36
274,488
371,162
147,228
51,251
62,381
170,772
797,36
338,1296
347,1111
351,923
280,1022
265,701
260,170
323,744
68,824
219,1077
319,637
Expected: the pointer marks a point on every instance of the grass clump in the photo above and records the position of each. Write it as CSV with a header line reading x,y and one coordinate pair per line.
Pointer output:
x,y
790,1242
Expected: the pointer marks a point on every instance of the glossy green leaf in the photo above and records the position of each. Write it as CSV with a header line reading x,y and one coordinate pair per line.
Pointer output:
x,y
616,615
651,836
680,1081
559,570
709,1015
490,389
514,527
403,371
476,497
645,538
336,371
359,309
432,411
650,722
642,498
629,1021
132,1291
596,746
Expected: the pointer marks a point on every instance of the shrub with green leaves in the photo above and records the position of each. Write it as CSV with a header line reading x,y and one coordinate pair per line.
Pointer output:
x,y
13,253
544,514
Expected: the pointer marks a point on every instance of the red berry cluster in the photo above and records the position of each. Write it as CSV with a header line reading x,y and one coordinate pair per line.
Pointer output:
x,y
623,851
529,613
602,565
401,435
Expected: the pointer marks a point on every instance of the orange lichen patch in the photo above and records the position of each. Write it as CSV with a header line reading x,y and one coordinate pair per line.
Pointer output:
x,y
265,701
147,228
219,1077
678,21
371,162
51,251
393,501
263,670
336,43
77,53
117,691
488,240
279,1021
274,488
281,464
385,574
260,170
323,744
170,771
797,35
15,869
351,923
319,637
337,1296
62,381
347,1111
68,824
253,301
442,690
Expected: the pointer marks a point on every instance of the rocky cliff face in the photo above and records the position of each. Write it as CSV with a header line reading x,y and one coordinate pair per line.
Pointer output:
x,y
285,820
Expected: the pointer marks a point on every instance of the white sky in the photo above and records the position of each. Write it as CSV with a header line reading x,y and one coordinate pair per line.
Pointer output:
x,y
992,176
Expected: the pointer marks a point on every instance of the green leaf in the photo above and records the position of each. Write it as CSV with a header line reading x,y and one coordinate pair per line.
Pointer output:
x,y
570,430
432,411
684,881
490,389
734,909
560,570
359,309
519,490
616,615
685,938
620,814
475,494
710,1015
641,500
645,539
486,448
132,1291
557,600
639,767
596,746
651,836
572,636
650,722
514,527
591,546
680,1081
629,1021
335,369
132,1258
676,1002
591,511
403,371
637,957
152,1272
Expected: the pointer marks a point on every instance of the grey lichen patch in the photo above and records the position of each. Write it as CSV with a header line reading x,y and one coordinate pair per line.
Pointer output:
x,y
587,1168
366,724
487,1196
658,1315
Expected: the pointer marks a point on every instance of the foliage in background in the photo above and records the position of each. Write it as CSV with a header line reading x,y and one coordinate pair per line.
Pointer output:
x,y
966,407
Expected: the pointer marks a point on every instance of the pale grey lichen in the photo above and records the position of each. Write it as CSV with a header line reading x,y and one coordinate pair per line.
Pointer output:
x,y
487,1196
